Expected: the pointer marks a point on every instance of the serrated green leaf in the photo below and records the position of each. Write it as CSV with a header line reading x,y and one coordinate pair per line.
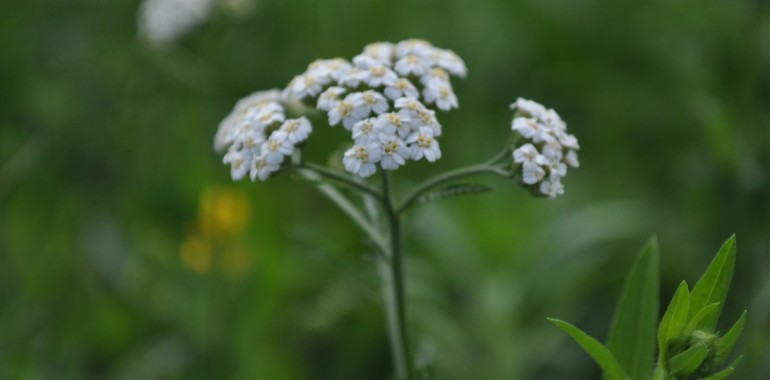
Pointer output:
x,y
674,319
713,285
698,321
688,361
723,374
725,344
453,190
609,364
632,336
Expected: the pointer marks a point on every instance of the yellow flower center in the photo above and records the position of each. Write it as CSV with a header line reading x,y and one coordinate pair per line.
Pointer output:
x,y
391,147
345,108
361,154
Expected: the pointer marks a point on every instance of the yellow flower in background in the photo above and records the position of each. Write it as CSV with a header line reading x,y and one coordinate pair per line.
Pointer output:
x,y
196,254
223,215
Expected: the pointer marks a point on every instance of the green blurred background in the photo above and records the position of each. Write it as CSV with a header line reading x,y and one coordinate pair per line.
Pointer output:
x,y
126,251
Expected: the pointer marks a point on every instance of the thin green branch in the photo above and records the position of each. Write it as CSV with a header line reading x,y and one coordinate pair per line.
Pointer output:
x,y
341,177
346,206
452,175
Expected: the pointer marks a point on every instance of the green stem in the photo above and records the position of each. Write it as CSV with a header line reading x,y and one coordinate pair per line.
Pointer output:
x,y
345,205
452,175
393,287
342,177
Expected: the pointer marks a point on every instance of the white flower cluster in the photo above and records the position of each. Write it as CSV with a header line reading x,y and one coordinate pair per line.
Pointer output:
x,y
163,21
382,98
545,149
257,135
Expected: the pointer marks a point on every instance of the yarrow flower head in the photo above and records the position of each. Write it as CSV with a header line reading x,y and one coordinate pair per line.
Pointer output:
x,y
386,97
258,136
543,149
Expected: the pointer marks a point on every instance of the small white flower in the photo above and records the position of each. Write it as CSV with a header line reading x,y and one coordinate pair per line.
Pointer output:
x,y
267,118
553,151
451,62
529,108
277,146
412,65
364,131
394,152
378,75
402,87
261,168
346,112
552,188
556,169
364,61
528,153
532,173
391,123
373,101
307,85
361,159
423,144
329,69
412,46
426,117
239,161
353,77
529,128
409,106
569,141
297,130
330,98
440,93
435,74
381,51
572,159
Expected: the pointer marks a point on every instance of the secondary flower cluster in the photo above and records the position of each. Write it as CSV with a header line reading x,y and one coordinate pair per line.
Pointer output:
x,y
257,135
382,97
544,149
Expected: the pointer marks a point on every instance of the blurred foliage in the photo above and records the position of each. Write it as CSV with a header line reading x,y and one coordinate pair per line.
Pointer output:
x,y
126,252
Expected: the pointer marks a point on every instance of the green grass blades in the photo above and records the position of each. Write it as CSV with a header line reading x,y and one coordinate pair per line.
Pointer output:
x,y
632,336
712,287
609,364
688,361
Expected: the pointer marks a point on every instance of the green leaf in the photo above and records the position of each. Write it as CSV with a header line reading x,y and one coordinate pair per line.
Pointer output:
x,y
632,336
713,285
600,354
698,321
453,190
721,375
688,361
674,319
725,344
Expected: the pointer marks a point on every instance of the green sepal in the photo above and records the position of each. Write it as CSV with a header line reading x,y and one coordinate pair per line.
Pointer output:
x,y
632,336
697,322
725,344
721,375
600,354
674,319
688,361
713,285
